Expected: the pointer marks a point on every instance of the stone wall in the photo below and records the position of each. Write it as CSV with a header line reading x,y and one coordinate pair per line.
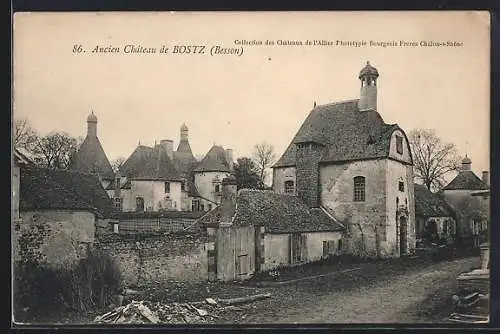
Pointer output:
x,y
65,236
366,220
280,176
148,259
308,157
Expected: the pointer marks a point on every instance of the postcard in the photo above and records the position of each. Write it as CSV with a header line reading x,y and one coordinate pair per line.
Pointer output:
x,y
251,168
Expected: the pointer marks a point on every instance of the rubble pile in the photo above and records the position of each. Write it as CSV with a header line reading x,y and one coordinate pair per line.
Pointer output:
x,y
207,311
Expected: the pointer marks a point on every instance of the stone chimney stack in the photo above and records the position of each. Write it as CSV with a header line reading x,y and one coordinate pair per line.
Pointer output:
x,y
229,157
92,125
308,156
168,146
368,94
228,204
486,177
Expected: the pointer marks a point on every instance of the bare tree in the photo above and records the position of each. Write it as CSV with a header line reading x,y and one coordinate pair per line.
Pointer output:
x,y
264,157
24,135
55,150
117,163
433,160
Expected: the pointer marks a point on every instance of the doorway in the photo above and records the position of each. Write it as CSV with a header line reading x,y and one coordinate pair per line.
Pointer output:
x,y
403,236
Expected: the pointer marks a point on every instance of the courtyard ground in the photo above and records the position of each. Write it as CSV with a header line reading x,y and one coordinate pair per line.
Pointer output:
x,y
408,290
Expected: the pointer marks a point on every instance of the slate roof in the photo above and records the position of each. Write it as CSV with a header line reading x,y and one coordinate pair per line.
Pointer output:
x,y
214,161
279,213
466,180
148,163
91,156
429,204
46,189
346,132
184,162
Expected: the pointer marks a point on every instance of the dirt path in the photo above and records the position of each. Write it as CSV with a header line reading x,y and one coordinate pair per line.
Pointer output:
x,y
400,298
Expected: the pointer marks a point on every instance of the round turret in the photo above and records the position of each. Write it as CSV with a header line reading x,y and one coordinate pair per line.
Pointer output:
x,y
92,118
368,71
466,163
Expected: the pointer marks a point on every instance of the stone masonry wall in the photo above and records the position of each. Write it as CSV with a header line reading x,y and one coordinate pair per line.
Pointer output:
x,y
365,221
308,157
149,259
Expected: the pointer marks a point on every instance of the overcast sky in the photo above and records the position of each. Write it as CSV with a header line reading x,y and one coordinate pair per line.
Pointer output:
x,y
263,95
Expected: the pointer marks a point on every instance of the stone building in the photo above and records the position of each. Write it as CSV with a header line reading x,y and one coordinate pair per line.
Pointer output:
x,y
160,178
346,160
69,205
435,219
472,210
260,230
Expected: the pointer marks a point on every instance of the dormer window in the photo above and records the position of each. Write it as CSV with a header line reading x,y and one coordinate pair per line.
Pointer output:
x,y
399,144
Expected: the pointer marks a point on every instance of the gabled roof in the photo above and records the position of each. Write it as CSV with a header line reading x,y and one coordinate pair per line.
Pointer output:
x,y
47,189
346,132
278,213
466,180
429,204
91,157
214,161
147,163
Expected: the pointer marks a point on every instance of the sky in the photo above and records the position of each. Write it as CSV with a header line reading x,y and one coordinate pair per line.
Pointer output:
x,y
263,94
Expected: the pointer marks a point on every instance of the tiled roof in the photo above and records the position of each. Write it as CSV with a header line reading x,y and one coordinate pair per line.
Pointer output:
x,y
91,156
147,163
22,156
429,204
278,213
214,161
184,162
346,132
466,180
46,189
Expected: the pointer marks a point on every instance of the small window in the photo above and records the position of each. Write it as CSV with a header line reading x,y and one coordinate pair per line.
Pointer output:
x,y
401,186
195,205
139,203
217,188
202,207
359,189
339,245
209,206
399,144
118,203
183,186
167,187
289,187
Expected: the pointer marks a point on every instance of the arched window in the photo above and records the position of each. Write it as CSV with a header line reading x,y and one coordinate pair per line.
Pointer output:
x,y
289,187
359,189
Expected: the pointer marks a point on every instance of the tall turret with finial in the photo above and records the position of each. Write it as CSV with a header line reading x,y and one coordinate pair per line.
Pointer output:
x,y
92,125
368,94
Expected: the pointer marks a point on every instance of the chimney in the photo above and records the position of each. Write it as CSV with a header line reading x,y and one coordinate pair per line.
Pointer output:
x,y
229,157
308,156
486,177
368,94
92,125
228,204
168,146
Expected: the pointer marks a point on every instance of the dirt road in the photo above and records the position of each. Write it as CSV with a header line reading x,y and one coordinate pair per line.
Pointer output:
x,y
374,294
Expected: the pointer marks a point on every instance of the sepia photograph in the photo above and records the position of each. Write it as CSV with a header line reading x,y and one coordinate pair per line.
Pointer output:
x,y
250,168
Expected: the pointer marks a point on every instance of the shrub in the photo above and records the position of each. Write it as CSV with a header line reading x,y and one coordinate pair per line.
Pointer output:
x,y
89,284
